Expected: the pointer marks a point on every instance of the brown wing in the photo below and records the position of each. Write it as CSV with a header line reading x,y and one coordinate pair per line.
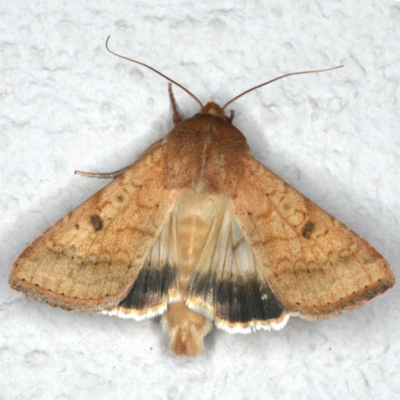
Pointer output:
x,y
89,259
314,265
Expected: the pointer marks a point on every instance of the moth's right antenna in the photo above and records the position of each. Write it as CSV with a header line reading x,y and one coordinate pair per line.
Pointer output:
x,y
275,79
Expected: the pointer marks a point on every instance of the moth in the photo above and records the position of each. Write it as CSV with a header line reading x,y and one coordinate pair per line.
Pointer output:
x,y
198,231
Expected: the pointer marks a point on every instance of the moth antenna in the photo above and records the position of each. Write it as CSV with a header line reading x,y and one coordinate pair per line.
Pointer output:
x,y
154,70
276,79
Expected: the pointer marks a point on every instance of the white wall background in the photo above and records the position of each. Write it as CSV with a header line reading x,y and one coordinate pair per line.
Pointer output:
x,y
66,104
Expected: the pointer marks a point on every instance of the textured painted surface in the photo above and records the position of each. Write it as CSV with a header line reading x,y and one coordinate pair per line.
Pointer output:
x,y
67,104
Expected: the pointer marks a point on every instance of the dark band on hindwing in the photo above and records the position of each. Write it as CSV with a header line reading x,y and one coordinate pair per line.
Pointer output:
x,y
240,300
151,287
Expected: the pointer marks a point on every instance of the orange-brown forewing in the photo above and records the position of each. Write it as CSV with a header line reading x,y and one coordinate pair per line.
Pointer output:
x,y
89,259
315,265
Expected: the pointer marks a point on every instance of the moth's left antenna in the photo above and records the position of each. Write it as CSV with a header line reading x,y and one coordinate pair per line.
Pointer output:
x,y
154,70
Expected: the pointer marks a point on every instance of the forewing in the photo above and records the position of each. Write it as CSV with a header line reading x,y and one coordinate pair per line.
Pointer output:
x,y
314,265
89,259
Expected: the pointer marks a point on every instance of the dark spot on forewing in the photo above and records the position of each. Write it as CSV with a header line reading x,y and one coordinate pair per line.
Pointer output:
x,y
96,222
308,228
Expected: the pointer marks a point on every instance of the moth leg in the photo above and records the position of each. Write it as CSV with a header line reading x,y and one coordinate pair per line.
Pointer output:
x,y
176,118
232,115
102,175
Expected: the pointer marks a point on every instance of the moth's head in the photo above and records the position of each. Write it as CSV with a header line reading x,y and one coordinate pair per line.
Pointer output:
x,y
213,109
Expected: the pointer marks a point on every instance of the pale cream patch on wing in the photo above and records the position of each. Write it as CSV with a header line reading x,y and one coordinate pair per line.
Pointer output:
x,y
158,282
228,285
